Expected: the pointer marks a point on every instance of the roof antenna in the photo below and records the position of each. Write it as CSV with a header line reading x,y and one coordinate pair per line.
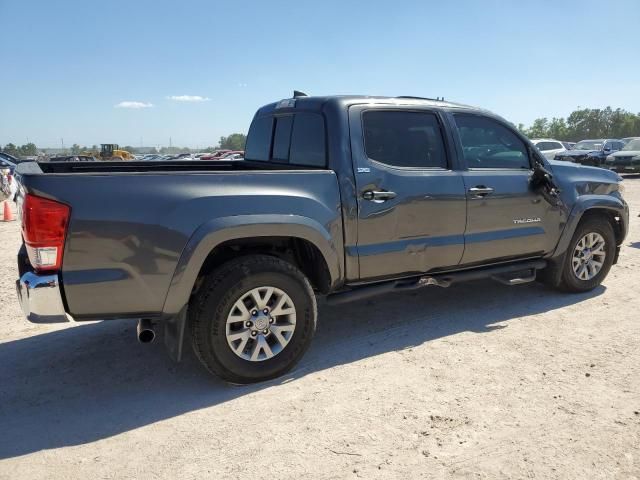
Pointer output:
x,y
298,93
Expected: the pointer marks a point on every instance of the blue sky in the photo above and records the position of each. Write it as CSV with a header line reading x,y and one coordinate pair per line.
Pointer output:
x,y
67,64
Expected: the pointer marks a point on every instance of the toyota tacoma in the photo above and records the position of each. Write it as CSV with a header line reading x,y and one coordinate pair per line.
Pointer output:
x,y
343,197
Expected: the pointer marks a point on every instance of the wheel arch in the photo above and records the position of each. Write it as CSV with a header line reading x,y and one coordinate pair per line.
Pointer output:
x,y
300,240
614,210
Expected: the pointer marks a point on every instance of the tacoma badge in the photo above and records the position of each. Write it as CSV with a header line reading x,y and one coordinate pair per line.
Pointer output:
x,y
527,220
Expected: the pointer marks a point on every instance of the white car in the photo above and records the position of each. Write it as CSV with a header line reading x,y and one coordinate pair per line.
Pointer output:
x,y
548,147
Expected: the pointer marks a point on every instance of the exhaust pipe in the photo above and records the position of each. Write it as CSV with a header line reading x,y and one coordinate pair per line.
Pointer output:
x,y
146,333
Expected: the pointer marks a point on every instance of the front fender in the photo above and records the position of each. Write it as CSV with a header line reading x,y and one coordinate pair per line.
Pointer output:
x,y
217,231
585,203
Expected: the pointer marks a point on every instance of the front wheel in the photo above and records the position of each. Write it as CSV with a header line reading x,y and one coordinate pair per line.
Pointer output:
x,y
589,257
253,319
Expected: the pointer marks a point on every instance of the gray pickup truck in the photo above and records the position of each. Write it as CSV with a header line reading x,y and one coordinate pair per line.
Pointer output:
x,y
342,196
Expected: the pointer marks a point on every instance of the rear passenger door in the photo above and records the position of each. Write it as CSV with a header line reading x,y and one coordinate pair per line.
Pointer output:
x,y
411,201
506,218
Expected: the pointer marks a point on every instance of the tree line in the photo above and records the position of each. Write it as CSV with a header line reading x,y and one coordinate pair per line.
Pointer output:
x,y
580,124
586,123
235,141
26,150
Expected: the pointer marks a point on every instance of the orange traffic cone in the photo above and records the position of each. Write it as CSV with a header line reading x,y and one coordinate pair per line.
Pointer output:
x,y
7,214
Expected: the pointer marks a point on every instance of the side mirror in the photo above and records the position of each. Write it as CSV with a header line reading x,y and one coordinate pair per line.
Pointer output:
x,y
606,149
542,180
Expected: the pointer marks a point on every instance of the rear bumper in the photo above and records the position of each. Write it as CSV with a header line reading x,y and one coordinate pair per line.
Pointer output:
x,y
41,299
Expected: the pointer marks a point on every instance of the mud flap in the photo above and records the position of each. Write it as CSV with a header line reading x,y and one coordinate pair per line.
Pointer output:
x,y
174,330
552,274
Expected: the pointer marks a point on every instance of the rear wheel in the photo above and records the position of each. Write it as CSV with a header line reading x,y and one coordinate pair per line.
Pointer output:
x,y
589,257
253,319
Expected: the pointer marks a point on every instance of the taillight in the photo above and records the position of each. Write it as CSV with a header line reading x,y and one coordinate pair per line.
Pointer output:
x,y
10,178
44,227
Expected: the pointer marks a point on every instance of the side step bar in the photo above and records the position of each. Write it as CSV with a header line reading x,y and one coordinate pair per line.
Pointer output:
x,y
511,274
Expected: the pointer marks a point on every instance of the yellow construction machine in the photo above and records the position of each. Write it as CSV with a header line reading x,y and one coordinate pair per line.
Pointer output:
x,y
111,152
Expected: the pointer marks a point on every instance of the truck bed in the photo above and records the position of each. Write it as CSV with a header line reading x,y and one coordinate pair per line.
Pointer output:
x,y
131,221
158,166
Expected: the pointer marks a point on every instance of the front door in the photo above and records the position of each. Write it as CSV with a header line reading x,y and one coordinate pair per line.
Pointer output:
x,y
411,202
506,218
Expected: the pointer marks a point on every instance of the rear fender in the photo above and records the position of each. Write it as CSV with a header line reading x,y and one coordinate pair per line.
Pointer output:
x,y
217,231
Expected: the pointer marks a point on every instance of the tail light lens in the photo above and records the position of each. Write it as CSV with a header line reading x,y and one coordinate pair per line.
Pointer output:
x,y
44,228
10,178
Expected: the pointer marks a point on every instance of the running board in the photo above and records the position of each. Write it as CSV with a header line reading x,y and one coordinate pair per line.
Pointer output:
x,y
510,274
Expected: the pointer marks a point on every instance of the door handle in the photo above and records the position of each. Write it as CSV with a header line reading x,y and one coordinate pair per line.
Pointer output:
x,y
378,195
480,191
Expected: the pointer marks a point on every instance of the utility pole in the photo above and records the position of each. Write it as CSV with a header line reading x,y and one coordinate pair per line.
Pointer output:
x,y
169,142
62,143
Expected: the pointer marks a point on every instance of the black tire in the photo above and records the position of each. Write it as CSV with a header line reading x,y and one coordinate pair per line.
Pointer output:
x,y
210,307
569,282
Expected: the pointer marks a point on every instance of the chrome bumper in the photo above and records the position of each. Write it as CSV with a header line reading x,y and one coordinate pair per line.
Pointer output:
x,y
41,299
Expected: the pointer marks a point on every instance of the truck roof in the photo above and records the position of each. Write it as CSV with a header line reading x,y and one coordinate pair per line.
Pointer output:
x,y
318,102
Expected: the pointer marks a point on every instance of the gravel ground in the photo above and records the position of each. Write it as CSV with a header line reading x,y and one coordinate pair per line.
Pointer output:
x,y
476,381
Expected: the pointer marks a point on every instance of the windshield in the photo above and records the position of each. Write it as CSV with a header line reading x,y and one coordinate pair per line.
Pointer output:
x,y
588,145
632,145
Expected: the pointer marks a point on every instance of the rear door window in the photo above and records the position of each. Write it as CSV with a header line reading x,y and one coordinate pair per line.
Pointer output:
x,y
404,139
486,143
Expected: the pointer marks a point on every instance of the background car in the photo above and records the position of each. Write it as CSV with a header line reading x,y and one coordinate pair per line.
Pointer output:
x,y
9,158
628,139
569,145
233,155
626,160
548,146
215,155
591,152
73,158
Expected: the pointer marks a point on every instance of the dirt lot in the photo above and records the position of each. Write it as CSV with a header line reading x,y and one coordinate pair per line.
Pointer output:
x,y
476,381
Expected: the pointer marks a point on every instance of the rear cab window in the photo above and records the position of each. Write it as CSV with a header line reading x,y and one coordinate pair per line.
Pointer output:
x,y
294,138
258,146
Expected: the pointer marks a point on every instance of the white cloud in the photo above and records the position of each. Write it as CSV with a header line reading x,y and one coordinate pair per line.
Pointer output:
x,y
133,105
188,98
